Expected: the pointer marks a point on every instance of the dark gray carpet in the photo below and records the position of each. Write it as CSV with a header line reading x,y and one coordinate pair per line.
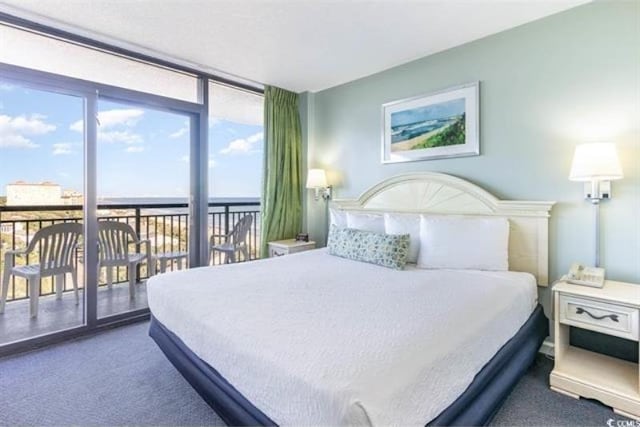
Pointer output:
x,y
532,403
120,377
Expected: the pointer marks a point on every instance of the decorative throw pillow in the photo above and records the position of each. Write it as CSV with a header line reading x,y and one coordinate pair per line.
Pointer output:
x,y
386,250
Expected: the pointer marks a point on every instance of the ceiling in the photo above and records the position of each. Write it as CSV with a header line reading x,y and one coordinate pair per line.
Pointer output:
x,y
303,45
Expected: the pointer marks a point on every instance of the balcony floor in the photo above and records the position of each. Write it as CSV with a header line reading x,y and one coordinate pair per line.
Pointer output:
x,y
56,315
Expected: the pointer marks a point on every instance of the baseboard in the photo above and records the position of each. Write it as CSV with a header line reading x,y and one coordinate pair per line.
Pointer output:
x,y
547,347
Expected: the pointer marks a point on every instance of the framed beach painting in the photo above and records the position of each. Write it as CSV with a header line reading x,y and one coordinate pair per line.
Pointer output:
x,y
434,126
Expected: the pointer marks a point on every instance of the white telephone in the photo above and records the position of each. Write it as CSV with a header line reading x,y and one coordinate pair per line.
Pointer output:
x,y
587,276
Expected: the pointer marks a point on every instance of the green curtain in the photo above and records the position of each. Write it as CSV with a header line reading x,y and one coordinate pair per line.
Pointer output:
x,y
282,182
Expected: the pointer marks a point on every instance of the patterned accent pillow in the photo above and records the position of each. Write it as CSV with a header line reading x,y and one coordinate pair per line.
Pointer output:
x,y
387,250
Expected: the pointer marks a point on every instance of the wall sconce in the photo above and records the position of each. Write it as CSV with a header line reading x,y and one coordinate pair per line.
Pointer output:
x,y
597,164
317,180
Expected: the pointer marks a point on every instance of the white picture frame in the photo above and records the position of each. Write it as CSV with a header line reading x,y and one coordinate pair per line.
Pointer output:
x,y
437,125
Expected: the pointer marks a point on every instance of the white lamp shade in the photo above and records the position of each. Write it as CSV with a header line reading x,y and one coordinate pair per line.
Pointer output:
x,y
595,162
316,178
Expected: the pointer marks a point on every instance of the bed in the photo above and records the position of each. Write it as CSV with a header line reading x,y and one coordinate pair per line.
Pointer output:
x,y
315,339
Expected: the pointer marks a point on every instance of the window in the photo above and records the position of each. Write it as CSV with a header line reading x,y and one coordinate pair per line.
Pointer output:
x,y
70,136
236,136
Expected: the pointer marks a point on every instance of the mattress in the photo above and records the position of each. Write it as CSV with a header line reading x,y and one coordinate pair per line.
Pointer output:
x,y
315,339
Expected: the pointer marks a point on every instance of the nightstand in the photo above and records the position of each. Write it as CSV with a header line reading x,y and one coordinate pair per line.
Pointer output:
x,y
613,310
289,246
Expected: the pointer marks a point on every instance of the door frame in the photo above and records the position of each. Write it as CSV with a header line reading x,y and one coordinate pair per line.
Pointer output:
x,y
91,92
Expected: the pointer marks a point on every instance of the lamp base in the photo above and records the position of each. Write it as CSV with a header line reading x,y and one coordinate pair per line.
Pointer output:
x,y
596,220
597,190
325,193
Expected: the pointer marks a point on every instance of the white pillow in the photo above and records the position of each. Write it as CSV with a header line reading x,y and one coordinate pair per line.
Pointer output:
x,y
405,224
464,243
367,222
337,218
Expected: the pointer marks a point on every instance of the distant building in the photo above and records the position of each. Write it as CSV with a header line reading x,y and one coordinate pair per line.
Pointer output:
x,y
72,197
22,193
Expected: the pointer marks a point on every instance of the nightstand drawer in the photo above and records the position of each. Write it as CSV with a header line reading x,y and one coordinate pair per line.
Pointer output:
x,y
604,317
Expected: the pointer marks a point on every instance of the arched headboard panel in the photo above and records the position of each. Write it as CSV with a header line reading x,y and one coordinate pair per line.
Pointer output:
x,y
441,194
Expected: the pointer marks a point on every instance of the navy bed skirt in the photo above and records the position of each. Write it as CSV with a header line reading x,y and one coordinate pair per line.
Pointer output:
x,y
476,406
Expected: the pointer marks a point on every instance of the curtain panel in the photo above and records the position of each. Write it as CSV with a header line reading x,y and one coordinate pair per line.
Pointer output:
x,y
282,183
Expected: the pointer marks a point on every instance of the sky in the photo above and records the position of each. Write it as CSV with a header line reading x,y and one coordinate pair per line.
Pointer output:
x,y
430,112
141,152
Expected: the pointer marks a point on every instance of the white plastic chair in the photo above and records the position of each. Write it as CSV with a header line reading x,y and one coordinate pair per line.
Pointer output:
x,y
235,241
114,239
56,247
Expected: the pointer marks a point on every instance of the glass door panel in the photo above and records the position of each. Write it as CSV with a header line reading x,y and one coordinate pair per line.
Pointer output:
x,y
41,189
143,185
236,140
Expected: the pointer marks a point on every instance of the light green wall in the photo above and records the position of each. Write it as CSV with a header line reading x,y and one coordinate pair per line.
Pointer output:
x,y
545,87
305,103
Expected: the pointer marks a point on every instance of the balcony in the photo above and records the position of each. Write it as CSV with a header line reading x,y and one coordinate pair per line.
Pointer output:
x,y
165,225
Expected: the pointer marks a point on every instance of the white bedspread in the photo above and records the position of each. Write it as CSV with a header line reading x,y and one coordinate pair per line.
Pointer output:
x,y
315,339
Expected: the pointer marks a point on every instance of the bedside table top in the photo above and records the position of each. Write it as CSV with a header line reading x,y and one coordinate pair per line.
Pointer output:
x,y
627,293
291,243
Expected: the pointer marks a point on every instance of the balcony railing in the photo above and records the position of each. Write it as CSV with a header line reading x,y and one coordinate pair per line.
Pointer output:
x,y
166,225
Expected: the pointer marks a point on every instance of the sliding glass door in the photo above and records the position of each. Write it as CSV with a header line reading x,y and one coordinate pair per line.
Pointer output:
x,y
97,194
143,195
41,211
91,138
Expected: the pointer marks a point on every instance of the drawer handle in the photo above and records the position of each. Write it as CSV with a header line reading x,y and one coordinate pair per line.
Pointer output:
x,y
580,310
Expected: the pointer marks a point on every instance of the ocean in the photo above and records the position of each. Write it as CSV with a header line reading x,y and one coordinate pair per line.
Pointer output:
x,y
106,201
405,132
171,200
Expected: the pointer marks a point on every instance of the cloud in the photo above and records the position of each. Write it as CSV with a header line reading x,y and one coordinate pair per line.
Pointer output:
x,y
6,87
120,136
211,163
243,145
115,126
16,141
184,130
179,133
62,148
135,149
128,117
256,137
77,126
15,131
237,146
121,117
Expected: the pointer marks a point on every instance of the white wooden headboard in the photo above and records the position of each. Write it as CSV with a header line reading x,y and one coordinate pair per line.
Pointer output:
x,y
437,193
